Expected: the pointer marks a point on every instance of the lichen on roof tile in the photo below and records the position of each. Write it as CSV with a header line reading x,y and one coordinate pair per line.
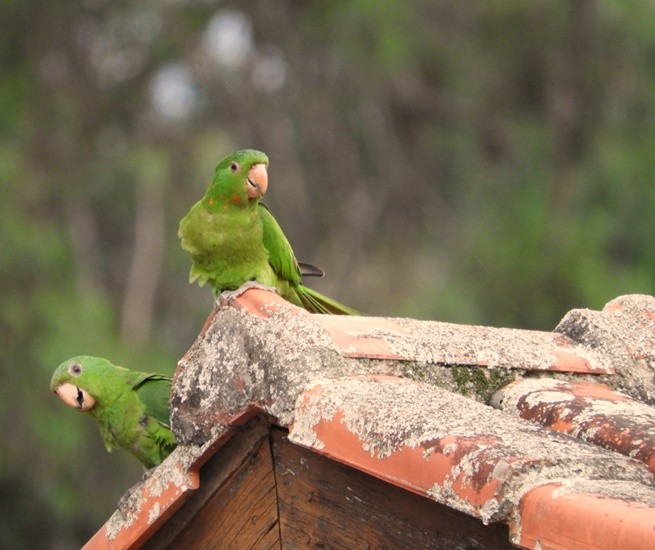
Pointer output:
x,y
591,412
624,333
618,489
174,473
243,360
368,392
370,422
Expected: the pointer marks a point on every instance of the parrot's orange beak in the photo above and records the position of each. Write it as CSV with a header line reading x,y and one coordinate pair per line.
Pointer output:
x,y
75,397
257,182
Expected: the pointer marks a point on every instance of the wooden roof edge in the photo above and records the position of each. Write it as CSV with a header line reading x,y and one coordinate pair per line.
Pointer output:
x,y
477,473
152,501
445,447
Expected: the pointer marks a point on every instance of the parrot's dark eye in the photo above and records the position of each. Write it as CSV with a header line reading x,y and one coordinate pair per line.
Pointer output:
x,y
234,166
75,369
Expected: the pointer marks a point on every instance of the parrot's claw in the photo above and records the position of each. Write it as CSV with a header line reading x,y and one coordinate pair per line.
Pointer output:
x,y
227,297
126,504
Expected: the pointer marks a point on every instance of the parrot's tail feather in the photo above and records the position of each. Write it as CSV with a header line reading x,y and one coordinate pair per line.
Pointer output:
x,y
318,303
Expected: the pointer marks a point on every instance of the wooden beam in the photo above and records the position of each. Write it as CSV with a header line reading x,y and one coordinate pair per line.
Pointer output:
x,y
325,504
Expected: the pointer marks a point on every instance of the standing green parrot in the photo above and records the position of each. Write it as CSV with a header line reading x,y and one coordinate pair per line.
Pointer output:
x,y
233,239
131,408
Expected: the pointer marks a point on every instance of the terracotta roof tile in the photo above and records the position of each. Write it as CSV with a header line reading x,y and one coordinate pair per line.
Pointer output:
x,y
555,516
380,395
445,343
591,411
624,333
443,445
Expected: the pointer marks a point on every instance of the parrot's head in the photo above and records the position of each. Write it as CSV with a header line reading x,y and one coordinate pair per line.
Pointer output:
x,y
82,381
239,179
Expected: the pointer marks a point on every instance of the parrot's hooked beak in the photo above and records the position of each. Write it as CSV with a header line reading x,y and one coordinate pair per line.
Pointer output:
x,y
257,182
75,397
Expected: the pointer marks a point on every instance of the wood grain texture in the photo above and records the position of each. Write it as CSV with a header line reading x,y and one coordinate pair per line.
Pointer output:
x,y
242,513
325,504
261,491
236,504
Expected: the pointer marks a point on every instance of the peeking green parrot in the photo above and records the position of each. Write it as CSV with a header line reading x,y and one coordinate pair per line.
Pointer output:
x,y
233,239
131,408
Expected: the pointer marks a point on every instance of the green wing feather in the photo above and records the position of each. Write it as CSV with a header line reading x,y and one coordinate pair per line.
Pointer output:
x,y
154,391
280,253
285,266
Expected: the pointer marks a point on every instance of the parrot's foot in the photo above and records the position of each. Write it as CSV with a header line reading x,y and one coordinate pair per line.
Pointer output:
x,y
148,473
128,503
225,298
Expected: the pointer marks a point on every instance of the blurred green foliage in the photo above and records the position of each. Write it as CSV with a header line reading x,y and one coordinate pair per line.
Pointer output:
x,y
473,162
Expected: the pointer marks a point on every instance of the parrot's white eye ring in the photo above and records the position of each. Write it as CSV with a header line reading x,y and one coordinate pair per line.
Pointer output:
x,y
75,369
234,166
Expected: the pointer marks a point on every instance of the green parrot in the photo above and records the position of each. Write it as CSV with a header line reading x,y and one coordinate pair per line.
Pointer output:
x,y
234,240
131,408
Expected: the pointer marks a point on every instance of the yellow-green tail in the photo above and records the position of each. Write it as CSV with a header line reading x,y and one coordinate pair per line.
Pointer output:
x,y
316,302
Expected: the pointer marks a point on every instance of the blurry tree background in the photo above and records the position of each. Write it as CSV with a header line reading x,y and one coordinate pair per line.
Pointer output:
x,y
487,162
